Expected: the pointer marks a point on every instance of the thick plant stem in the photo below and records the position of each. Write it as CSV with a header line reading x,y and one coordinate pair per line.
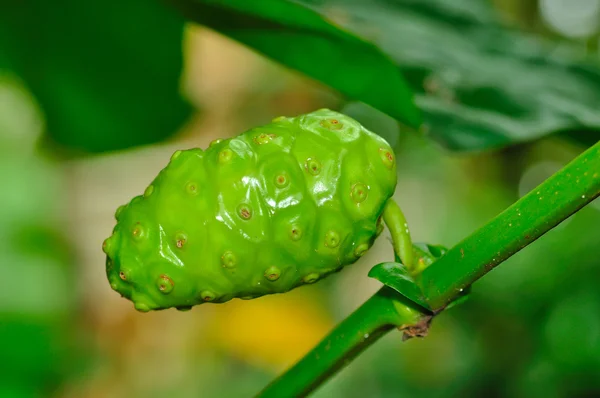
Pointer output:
x,y
396,223
533,215
381,313
553,201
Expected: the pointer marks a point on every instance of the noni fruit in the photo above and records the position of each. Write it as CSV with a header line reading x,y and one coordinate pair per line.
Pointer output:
x,y
276,207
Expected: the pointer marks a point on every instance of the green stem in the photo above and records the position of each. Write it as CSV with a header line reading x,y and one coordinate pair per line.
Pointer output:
x,y
381,313
553,201
533,215
396,223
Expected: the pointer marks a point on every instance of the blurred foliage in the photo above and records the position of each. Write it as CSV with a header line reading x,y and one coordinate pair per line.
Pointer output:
x,y
302,39
105,74
479,83
36,303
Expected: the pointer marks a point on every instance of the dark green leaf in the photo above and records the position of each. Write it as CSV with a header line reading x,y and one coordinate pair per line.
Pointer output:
x,y
302,39
583,137
478,83
106,74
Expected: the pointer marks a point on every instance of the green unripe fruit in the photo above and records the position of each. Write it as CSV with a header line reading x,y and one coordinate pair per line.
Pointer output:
x,y
274,208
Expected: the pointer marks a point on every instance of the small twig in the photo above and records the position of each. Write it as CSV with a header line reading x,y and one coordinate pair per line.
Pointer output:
x,y
383,312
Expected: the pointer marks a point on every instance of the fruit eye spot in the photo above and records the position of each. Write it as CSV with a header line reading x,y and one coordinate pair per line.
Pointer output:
x,y
175,155
137,233
207,295
332,239
180,239
264,138
122,275
165,284
149,191
228,259
331,124
295,233
313,166
281,181
225,155
191,188
245,212
118,212
106,246
361,249
386,157
311,278
359,192
272,273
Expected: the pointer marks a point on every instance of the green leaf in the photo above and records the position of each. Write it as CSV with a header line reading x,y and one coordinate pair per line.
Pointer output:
x,y
396,276
479,84
106,74
300,38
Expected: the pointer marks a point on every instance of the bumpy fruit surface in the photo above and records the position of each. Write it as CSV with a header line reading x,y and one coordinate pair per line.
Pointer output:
x,y
276,207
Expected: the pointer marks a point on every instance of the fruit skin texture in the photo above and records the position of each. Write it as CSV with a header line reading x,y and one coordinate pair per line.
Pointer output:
x,y
274,208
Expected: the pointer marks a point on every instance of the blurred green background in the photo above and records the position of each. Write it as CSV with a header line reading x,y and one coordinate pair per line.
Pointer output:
x,y
95,97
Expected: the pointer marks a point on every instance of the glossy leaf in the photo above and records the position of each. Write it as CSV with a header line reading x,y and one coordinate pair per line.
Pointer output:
x,y
478,83
106,74
396,276
302,39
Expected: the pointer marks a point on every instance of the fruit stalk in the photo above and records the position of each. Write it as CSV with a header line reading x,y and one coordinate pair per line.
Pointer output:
x,y
396,223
